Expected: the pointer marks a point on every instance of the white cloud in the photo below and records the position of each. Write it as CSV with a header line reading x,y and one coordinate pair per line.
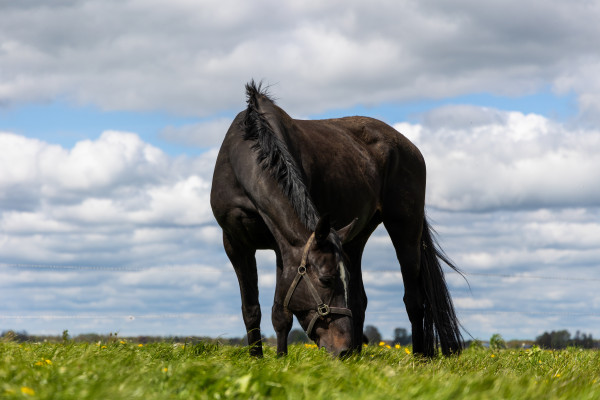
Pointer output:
x,y
471,303
322,55
581,78
480,159
68,204
204,134
33,170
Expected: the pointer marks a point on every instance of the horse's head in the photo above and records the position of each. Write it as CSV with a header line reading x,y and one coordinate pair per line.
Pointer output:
x,y
320,288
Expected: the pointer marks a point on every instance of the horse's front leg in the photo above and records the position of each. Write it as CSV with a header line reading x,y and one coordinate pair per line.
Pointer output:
x,y
282,322
282,318
244,262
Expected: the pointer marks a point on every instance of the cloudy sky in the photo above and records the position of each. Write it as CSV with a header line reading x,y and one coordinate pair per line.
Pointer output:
x,y
112,112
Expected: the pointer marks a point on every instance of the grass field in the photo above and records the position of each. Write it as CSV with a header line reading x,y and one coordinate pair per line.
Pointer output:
x,y
125,370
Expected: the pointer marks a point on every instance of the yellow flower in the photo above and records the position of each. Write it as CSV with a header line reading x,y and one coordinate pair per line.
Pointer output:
x,y
165,369
103,347
365,345
397,346
39,363
140,345
407,350
387,346
27,390
49,362
493,355
122,342
382,343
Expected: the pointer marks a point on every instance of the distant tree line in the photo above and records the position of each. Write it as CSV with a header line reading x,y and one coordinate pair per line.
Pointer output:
x,y
548,340
562,340
23,336
401,336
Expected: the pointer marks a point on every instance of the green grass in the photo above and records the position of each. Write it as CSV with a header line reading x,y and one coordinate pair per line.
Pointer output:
x,y
124,370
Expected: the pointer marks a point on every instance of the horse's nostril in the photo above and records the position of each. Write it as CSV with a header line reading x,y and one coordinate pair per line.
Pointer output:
x,y
345,353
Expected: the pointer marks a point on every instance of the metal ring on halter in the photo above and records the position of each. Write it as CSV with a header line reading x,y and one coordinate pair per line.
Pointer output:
x,y
323,309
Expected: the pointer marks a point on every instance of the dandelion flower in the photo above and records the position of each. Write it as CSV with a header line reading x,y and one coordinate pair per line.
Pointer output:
x,y
406,350
27,390
165,369
382,343
49,362
140,345
387,346
103,347
122,342
493,355
397,346
39,363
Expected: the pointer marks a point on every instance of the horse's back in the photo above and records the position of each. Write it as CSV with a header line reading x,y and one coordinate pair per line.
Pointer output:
x,y
361,136
367,130
357,165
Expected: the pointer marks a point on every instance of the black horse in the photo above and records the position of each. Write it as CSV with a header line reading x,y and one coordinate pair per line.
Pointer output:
x,y
314,191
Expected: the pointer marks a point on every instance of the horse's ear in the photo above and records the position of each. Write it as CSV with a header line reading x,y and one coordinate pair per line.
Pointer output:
x,y
345,231
323,229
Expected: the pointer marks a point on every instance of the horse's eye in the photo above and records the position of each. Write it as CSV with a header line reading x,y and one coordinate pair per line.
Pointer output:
x,y
327,280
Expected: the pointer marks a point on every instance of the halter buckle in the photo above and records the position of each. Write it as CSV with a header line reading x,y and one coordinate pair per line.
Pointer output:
x,y
323,310
302,270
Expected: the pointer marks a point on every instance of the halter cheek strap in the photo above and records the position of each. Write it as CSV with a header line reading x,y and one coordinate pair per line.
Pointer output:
x,y
322,309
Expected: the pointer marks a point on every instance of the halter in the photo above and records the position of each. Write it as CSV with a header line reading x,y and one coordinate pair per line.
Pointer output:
x,y
323,308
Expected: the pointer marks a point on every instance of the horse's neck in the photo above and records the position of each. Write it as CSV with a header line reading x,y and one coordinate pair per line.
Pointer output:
x,y
281,219
279,189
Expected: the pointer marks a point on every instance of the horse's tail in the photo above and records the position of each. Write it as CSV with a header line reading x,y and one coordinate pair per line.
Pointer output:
x,y
441,326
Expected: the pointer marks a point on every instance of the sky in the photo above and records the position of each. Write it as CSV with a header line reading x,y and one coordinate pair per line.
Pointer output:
x,y
112,113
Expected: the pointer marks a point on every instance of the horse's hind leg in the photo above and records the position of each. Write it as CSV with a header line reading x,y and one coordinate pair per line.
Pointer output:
x,y
406,237
244,263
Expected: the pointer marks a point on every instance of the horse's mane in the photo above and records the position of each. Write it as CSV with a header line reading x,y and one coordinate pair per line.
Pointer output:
x,y
273,154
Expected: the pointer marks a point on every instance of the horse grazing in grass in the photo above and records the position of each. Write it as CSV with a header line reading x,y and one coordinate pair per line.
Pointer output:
x,y
314,191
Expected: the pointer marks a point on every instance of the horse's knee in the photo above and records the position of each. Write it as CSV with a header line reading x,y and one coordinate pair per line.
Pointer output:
x,y
282,320
252,315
